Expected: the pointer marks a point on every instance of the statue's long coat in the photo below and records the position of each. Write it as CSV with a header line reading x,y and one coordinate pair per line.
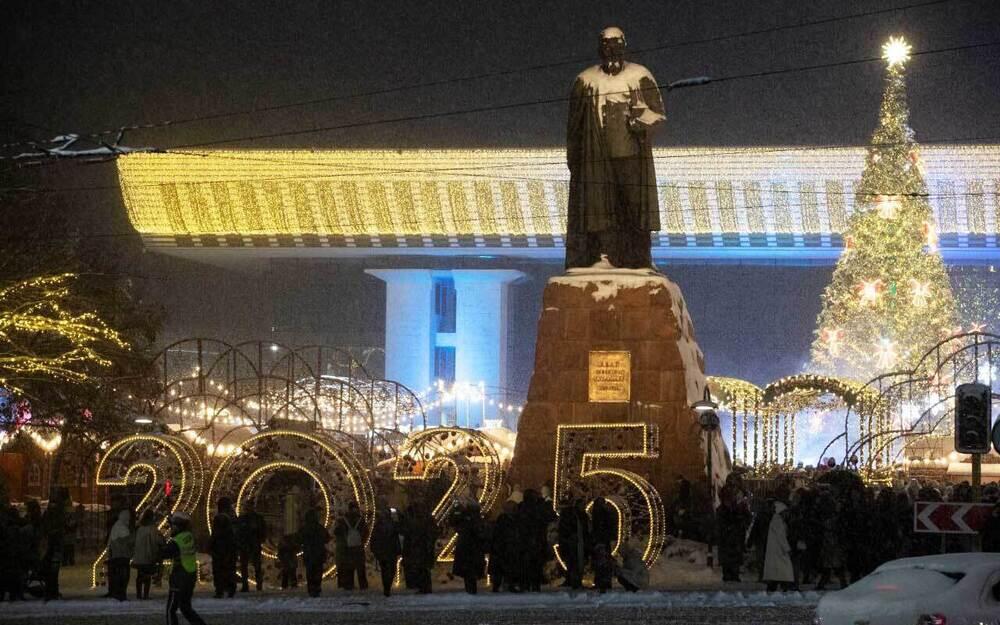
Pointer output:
x,y
592,198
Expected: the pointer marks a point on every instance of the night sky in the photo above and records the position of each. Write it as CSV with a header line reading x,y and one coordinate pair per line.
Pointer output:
x,y
89,66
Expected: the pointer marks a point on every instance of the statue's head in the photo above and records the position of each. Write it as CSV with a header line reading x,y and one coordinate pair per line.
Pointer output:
x,y
612,49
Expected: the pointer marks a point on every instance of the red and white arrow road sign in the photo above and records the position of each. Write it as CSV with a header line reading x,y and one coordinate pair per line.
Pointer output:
x,y
950,518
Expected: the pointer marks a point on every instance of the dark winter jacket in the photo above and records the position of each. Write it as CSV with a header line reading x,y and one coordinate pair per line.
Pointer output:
x,y
604,523
222,544
574,535
506,546
469,557
385,537
251,531
419,540
312,539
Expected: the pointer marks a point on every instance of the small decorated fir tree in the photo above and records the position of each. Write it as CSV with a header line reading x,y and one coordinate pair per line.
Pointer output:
x,y
890,299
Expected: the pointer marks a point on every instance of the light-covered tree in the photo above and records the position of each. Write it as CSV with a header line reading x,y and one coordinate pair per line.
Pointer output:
x,y
890,299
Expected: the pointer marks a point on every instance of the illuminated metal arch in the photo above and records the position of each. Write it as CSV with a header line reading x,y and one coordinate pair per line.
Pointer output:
x,y
962,352
321,455
332,361
855,396
273,380
738,396
906,433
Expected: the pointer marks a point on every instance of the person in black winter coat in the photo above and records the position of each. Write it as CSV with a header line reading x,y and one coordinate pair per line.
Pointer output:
x,y
604,524
251,530
534,515
385,544
313,538
470,563
222,546
574,540
506,545
54,527
349,532
419,547
12,555
288,561
733,519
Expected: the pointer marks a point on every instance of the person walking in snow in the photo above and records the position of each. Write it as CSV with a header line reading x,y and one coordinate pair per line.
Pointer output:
x,y
349,532
146,555
778,569
506,545
733,518
288,561
385,544
313,538
534,516
469,562
574,540
222,546
120,545
251,531
419,547
183,574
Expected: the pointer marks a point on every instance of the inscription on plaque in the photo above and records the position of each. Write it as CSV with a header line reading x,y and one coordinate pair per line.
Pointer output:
x,y
610,377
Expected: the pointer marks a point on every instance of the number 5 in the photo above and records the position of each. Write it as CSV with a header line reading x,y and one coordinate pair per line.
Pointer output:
x,y
580,465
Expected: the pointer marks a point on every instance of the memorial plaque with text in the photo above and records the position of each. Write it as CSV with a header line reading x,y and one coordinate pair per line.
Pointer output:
x,y
610,376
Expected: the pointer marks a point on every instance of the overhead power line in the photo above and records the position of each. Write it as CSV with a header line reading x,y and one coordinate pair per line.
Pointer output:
x,y
521,70
554,100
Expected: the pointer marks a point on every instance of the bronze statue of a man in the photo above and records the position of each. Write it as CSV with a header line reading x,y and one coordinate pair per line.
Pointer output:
x,y
612,191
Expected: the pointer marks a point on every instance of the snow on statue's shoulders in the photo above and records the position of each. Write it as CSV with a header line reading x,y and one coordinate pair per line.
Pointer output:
x,y
608,279
631,73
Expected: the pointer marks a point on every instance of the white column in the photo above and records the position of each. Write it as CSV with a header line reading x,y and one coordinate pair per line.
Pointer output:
x,y
409,333
481,326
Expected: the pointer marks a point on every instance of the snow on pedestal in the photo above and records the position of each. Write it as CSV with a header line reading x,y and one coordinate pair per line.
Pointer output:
x,y
636,310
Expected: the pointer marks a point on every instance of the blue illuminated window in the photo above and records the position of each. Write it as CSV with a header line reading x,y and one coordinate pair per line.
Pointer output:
x,y
444,305
444,364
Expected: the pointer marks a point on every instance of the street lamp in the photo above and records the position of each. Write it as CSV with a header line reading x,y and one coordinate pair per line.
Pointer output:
x,y
709,421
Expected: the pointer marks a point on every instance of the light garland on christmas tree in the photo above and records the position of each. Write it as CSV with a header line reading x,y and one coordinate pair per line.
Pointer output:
x,y
890,295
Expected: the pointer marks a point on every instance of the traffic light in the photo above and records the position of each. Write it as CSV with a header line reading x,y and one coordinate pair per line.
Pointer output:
x,y
973,418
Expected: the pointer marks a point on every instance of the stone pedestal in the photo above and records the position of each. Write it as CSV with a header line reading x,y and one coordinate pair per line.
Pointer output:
x,y
638,311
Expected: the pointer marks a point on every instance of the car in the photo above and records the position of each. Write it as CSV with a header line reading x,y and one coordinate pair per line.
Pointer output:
x,y
950,589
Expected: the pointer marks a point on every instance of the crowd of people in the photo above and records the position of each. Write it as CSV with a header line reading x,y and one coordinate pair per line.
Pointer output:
x,y
839,529
36,545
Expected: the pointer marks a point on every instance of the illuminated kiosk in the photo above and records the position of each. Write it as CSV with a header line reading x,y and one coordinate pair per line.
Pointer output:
x,y
439,211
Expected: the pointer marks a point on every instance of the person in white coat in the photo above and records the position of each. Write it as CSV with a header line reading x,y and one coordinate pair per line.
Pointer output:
x,y
120,545
778,570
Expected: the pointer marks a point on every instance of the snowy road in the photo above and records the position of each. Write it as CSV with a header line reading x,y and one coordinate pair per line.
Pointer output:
x,y
450,608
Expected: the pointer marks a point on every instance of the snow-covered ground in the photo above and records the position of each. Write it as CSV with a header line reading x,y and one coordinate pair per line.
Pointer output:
x,y
683,589
452,607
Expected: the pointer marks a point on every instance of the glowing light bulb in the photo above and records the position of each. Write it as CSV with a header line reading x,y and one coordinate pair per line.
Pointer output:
x,y
886,353
870,291
833,337
921,292
896,51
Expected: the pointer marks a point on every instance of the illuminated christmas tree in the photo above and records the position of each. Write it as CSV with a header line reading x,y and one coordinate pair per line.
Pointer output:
x,y
890,299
